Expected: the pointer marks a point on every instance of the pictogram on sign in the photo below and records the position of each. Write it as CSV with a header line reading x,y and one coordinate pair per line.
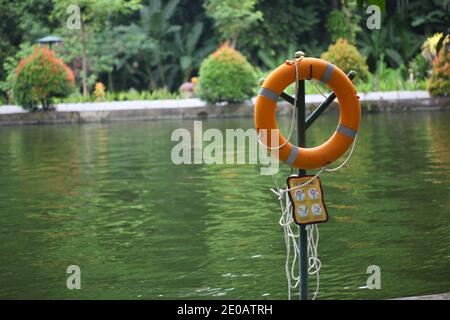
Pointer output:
x,y
307,200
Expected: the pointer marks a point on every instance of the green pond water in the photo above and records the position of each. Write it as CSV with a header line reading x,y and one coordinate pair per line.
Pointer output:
x,y
107,198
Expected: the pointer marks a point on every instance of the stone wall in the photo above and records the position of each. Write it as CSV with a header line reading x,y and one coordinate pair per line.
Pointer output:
x,y
226,111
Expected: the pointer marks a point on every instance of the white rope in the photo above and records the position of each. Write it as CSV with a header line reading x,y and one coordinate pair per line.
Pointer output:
x,y
346,159
289,237
317,88
293,114
286,221
279,192
314,263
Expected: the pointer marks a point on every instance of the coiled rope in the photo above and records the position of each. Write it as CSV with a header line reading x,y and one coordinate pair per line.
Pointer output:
x,y
286,221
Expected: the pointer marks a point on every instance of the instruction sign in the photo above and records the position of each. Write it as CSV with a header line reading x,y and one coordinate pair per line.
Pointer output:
x,y
307,200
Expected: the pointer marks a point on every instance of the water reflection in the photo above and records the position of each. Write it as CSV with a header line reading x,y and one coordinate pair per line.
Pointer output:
x,y
106,197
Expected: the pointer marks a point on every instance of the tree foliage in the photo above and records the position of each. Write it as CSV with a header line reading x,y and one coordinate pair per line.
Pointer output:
x,y
92,18
232,17
152,44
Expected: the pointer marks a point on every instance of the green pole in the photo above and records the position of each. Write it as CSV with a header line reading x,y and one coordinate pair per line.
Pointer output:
x,y
302,240
302,125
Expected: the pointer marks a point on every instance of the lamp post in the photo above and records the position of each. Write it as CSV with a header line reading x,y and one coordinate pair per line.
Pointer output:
x,y
49,40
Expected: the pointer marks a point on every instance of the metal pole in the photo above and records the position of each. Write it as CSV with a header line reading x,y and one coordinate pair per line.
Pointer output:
x,y
302,125
302,240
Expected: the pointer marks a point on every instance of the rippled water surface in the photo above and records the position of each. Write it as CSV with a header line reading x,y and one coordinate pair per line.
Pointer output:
x,y
106,197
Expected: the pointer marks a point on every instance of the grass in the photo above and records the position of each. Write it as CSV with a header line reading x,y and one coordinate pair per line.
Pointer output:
x,y
160,94
385,79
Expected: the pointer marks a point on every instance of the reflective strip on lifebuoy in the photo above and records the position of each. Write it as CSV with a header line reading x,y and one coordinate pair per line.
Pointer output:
x,y
350,112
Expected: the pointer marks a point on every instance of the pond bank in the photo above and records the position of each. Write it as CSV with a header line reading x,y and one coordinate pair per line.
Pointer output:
x,y
393,101
441,296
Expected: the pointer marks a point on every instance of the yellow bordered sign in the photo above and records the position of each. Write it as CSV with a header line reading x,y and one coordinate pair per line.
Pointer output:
x,y
308,203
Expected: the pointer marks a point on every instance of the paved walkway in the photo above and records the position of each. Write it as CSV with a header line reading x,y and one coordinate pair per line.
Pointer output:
x,y
197,103
441,296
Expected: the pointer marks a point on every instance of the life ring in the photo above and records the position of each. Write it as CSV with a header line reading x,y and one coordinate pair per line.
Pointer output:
x,y
349,120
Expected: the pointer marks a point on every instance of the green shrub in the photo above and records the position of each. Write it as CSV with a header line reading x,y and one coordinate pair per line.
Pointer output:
x,y
419,67
41,77
130,95
134,95
10,65
439,82
347,57
226,75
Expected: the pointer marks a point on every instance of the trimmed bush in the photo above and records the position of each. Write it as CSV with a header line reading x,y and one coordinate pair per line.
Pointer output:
x,y
40,77
347,57
439,82
226,75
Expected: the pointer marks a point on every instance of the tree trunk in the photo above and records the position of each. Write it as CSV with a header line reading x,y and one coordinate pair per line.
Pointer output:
x,y
151,82
234,40
348,22
161,73
84,61
110,82
187,75
335,4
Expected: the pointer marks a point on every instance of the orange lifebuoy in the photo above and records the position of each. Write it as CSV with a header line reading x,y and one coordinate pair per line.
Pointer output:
x,y
350,112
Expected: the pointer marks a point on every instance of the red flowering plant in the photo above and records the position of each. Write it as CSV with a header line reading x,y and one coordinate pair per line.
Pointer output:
x,y
439,82
40,77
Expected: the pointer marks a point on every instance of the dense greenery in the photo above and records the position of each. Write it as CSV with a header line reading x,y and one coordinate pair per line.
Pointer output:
x,y
232,17
41,77
149,45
